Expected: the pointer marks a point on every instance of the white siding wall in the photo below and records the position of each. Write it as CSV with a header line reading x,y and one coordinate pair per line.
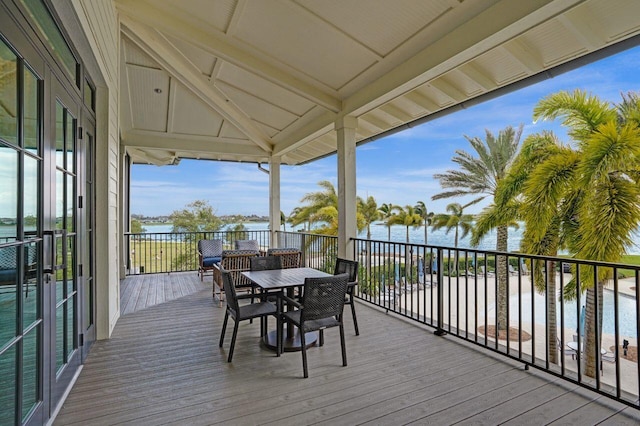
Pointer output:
x,y
99,22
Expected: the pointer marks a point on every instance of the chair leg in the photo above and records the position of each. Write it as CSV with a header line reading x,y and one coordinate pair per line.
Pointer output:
x,y
304,353
224,327
233,339
278,335
321,332
353,314
342,344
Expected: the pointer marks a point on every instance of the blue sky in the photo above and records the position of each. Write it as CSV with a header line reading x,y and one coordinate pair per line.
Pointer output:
x,y
397,169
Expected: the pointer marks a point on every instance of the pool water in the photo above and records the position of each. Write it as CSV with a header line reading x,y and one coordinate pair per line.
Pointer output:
x,y
626,307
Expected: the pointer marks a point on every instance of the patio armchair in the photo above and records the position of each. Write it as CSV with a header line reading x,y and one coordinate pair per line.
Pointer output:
x,y
245,312
265,263
290,257
247,245
349,267
235,262
209,253
321,308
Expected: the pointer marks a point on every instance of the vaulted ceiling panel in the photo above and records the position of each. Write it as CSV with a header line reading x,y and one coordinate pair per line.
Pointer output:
x,y
381,28
150,105
200,59
205,13
264,89
242,80
191,116
258,109
291,35
228,130
136,56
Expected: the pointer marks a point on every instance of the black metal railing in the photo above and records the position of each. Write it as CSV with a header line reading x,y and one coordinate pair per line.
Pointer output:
x,y
318,251
466,293
157,252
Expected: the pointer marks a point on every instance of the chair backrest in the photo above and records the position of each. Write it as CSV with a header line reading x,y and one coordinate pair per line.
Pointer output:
x,y
230,291
323,297
237,261
289,257
265,263
210,248
247,245
349,267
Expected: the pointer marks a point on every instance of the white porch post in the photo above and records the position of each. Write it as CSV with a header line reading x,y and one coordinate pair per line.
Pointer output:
x,y
347,227
274,199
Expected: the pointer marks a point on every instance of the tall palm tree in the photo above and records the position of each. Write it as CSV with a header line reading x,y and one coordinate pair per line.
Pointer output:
x,y
596,184
386,211
510,206
427,218
406,217
370,212
480,176
283,221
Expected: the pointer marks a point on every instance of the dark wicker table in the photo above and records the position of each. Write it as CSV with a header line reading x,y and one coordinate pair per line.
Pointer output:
x,y
285,279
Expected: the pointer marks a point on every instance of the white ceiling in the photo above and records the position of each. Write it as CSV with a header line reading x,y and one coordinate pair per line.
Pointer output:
x,y
244,80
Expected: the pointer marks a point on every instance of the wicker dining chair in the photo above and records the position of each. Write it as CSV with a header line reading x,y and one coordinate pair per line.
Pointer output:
x,y
245,312
265,263
321,308
349,267
235,262
291,257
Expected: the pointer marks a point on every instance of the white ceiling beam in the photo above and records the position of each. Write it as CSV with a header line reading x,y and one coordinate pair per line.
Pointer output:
x,y
523,53
396,112
143,139
219,46
293,138
586,29
448,89
478,75
172,61
422,101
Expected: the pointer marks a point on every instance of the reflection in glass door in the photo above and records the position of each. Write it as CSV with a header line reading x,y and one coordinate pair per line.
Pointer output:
x,y
64,280
21,317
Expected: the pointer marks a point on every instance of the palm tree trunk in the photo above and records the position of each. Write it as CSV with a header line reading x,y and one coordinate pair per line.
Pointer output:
x,y
502,274
426,228
552,327
589,354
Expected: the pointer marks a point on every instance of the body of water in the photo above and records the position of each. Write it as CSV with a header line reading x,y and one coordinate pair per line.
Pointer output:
x,y
416,236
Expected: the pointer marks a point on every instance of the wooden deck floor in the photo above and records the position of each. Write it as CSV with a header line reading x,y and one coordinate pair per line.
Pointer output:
x,y
142,291
163,366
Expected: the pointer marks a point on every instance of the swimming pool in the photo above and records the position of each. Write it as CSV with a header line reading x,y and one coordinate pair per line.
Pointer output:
x,y
626,307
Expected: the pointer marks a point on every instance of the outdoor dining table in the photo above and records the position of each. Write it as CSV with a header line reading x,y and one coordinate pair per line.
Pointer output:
x,y
288,280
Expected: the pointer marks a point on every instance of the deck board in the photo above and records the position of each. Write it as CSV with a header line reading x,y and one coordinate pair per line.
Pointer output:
x,y
163,366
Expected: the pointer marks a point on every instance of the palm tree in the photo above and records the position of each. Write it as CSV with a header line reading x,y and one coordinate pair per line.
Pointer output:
x,y
427,218
456,219
595,184
386,211
480,176
406,217
283,221
322,208
511,205
370,212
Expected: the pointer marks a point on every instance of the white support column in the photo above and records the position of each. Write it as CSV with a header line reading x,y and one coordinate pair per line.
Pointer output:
x,y
274,199
347,225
